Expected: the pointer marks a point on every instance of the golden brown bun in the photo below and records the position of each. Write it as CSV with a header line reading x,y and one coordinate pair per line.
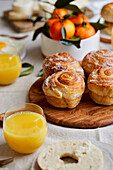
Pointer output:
x,y
100,85
59,62
64,89
108,30
107,12
94,60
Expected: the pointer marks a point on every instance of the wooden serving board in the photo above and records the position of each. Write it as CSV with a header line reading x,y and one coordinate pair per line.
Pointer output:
x,y
86,115
25,26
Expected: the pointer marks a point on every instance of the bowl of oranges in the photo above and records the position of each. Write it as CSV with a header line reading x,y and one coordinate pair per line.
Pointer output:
x,y
69,31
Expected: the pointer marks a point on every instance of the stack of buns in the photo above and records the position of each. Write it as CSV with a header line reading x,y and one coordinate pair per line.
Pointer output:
x,y
99,68
64,83
107,14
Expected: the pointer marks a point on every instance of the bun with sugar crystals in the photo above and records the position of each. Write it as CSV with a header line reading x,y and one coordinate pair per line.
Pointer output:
x,y
100,85
59,62
64,89
95,59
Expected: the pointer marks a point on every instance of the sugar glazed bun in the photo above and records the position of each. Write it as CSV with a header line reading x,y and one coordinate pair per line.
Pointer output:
x,y
61,61
64,89
88,156
107,12
100,85
94,60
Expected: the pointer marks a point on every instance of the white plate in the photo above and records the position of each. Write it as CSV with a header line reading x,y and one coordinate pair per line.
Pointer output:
x,y
107,154
19,46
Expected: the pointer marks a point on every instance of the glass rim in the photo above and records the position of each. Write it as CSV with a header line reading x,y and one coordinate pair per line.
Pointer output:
x,y
32,104
13,55
9,45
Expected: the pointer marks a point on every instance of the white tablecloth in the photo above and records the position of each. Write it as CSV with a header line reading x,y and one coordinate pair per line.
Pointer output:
x,y
18,93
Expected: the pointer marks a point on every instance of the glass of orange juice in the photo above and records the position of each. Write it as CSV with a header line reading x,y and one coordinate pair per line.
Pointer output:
x,y
25,127
10,64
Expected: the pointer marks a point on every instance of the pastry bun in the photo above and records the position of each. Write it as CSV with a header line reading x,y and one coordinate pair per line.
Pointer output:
x,y
59,62
100,85
64,89
108,30
87,155
95,59
107,12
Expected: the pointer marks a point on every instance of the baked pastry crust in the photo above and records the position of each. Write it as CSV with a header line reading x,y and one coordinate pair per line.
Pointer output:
x,y
59,62
107,12
100,85
95,59
108,30
64,89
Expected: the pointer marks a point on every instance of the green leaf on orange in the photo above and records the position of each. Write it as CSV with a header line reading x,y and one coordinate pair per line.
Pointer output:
x,y
75,40
98,25
36,20
63,31
37,32
68,16
76,25
62,3
44,29
76,10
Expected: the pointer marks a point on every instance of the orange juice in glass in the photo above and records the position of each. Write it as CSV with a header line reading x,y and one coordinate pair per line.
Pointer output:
x,y
25,127
10,64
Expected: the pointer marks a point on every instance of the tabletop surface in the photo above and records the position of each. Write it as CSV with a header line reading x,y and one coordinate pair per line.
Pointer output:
x,y
18,93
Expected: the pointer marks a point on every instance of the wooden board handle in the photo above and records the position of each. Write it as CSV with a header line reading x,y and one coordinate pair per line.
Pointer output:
x,y
1,119
16,16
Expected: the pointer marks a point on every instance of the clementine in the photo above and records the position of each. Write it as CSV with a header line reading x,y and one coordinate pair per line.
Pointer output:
x,y
79,19
51,21
85,31
55,29
59,13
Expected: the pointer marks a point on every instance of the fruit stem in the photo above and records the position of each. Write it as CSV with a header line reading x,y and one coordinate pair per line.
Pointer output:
x,y
84,24
58,15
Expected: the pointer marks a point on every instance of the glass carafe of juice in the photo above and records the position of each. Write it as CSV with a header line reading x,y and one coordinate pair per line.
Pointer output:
x,y
10,64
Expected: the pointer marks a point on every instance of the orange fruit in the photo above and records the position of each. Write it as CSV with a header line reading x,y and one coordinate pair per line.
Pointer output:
x,y
55,29
3,45
85,31
79,19
51,21
61,12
